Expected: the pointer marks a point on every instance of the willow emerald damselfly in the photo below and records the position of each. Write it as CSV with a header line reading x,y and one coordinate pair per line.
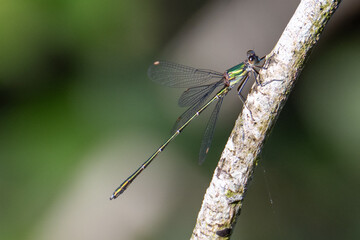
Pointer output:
x,y
196,98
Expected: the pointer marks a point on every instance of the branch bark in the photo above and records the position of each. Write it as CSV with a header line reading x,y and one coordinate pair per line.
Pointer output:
x,y
224,197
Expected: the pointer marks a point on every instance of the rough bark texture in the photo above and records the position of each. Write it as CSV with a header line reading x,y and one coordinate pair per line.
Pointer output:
x,y
224,197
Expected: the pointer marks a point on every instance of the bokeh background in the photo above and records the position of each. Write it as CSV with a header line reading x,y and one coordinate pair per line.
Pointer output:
x,y
78,115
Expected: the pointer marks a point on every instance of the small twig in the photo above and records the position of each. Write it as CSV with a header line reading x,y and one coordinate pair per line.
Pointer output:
x,y
224,197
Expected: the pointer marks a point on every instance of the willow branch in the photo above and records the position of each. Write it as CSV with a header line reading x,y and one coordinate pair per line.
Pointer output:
x,y
224,197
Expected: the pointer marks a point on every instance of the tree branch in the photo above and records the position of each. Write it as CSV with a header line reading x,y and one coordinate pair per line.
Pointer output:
x,y
224,197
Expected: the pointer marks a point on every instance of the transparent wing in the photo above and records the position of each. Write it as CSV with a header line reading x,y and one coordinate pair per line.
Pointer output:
x,y
177,75
209,132
195,94
191,111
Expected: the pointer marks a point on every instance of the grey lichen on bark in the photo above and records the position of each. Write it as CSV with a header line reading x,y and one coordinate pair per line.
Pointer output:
x,y
224,197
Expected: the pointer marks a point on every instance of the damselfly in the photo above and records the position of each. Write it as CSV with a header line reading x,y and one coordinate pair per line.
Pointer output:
x,y
199,90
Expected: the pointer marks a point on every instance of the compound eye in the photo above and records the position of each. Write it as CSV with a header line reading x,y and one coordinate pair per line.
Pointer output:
x,y
251,58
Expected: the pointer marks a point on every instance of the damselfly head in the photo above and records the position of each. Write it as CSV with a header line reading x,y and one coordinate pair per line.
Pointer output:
x,y
251,57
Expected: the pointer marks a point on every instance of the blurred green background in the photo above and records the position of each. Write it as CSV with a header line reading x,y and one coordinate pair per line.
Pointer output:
x,y
78,115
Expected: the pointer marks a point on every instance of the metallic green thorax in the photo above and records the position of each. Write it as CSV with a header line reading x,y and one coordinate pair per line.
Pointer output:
x,y
236,73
